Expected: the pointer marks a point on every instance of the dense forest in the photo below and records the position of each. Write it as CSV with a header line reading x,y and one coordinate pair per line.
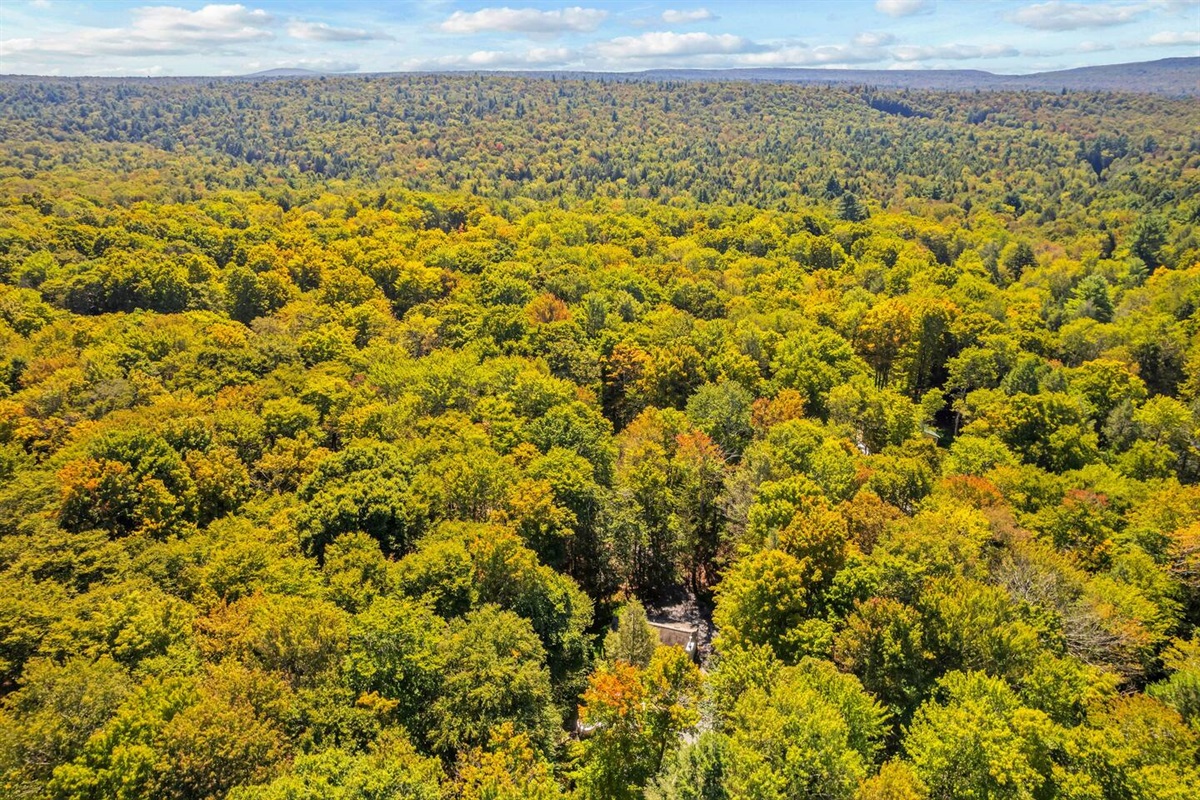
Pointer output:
x,y
352,428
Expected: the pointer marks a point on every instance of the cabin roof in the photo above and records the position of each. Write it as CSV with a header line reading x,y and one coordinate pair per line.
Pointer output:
x,y
677,635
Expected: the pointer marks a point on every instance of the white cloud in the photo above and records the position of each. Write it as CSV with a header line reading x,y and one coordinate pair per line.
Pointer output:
x,y
873,39
822,56
141,72
1175,6
666,43
497,59
870,49
716,51
1059,16
313,64
534,57
320,32
673,17
524,20
903,8
692,49
1082,47
952,52
1173,38
212,23
1095,47
158,30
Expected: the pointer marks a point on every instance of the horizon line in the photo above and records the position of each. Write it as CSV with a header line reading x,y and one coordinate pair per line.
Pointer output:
x,y
304,71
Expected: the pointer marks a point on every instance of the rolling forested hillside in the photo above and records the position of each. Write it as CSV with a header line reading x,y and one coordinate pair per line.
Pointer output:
x,y
1169,76
350,428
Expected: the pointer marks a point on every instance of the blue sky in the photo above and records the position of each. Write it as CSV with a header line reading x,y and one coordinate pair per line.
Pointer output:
x,y
61,37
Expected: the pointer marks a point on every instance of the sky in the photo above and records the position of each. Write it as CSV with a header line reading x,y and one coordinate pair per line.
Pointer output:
x,y
118,37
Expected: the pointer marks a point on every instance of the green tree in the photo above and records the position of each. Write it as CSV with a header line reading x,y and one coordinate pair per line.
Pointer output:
x,y
48,721
634,716
1017,257
356,571
978,741
1147,239
391,770
1181,689
130,480
365,488
464,566
851,209
763,599
1091,299
394,650
722,410
883,645
184,738
302,638
508,769
813,362
894,781
494,673
971,626
695,771
633,641
810,733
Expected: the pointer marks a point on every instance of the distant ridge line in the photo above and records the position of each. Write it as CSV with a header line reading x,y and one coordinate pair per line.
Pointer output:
x,y
1175,76
285,72
1179,76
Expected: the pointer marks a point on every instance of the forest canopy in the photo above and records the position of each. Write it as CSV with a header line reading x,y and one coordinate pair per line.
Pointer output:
x,y
352,429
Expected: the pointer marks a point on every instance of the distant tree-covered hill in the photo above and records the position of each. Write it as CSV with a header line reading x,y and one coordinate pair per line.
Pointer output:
x,y
1169,76
1043,155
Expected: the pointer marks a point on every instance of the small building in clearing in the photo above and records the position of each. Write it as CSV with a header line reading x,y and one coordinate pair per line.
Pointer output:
x,y
676,634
